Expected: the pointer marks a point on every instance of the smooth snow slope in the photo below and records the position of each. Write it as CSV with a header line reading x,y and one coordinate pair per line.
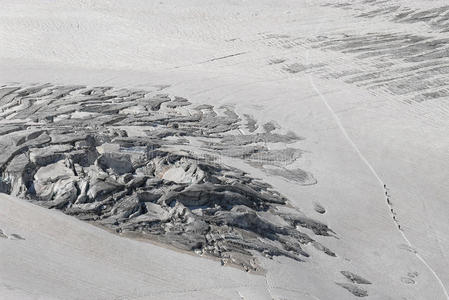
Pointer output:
x,y
276,61
57,257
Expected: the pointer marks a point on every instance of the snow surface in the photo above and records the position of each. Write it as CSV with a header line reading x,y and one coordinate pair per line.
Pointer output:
x,y
357,136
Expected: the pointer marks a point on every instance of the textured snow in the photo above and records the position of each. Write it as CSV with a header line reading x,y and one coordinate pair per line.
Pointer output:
x,y
364,82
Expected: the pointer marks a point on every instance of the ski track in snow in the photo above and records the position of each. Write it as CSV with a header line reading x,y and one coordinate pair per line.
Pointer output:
x,y
270,283
373,171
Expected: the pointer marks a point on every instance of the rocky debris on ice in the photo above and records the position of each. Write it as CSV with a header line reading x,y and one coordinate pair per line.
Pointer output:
x,y
76,149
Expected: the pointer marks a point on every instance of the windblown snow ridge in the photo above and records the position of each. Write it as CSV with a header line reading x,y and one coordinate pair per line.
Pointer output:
x,y
142,162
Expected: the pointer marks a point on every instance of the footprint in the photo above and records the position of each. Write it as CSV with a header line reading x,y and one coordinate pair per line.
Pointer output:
x,y
410,278
15,236
319,208
407,280
2,234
